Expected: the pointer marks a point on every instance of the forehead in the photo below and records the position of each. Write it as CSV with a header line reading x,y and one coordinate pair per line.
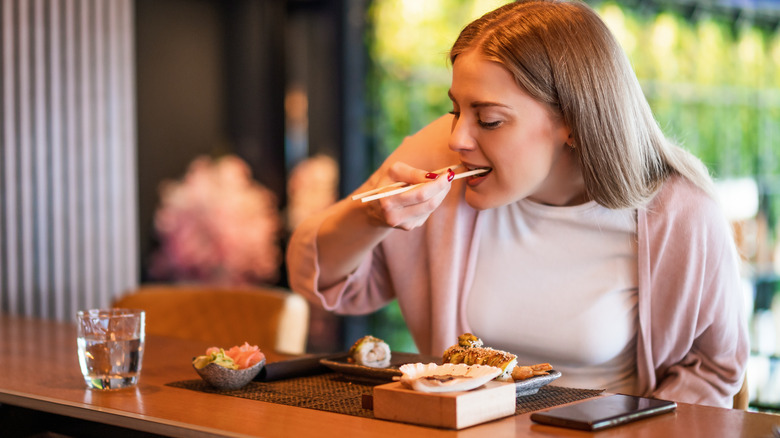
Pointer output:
x,y
478,81
471,71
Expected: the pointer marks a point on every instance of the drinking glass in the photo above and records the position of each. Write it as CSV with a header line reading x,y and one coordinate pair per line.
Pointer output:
x,y
111,347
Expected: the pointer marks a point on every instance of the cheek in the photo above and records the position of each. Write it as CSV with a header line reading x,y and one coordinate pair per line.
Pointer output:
x,y
521,171
523,161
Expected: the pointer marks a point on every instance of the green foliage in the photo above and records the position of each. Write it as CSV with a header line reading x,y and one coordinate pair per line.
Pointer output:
x,y
389,325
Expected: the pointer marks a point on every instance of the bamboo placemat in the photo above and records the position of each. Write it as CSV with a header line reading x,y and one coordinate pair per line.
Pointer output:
x,y
333,393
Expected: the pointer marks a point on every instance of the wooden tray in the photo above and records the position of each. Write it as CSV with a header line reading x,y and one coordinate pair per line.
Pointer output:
x,y
451,410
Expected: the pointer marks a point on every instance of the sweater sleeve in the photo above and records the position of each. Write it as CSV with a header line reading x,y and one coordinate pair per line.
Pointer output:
x,y
698,322
365,290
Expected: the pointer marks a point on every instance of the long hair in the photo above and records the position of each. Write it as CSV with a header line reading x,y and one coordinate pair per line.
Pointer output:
x,y
563,55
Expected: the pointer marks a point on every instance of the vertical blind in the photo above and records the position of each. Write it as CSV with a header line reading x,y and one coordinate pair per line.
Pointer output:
x,y
68,227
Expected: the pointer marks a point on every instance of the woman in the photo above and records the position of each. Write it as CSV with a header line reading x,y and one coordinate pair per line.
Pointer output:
x,y
592,243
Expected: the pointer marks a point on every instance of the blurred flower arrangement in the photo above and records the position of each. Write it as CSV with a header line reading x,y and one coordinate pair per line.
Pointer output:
x,y
217,226
311,187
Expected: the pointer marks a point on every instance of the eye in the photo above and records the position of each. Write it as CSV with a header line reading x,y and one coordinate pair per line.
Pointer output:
x,y
489,125
455,113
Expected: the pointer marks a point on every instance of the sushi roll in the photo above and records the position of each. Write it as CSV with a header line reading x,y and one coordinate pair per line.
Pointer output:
x,y
470,351
371,352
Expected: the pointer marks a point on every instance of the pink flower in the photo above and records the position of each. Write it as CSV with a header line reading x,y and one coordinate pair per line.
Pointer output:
x,y
217,226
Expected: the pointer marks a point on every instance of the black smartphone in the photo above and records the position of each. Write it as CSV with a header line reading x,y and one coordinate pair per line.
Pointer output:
x,y
601,413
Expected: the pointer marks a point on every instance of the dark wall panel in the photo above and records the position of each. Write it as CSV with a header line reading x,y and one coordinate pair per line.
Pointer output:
x,y
181,103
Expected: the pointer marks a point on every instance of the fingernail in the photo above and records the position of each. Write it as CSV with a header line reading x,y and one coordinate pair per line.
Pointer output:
x,y
431,175
450,174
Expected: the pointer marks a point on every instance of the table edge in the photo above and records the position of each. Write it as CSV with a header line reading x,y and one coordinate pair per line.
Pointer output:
x,y
112,417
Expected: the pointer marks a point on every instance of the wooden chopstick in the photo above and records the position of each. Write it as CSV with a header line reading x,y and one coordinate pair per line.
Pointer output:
x,y
407,188
400,183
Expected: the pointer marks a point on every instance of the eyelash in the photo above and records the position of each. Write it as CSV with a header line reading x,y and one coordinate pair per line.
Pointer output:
x,y
486,125
489,125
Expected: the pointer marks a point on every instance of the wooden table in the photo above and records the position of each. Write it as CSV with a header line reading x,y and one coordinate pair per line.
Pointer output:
x,y
39,371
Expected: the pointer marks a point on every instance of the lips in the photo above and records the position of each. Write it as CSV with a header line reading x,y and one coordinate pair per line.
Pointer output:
x,y
476,179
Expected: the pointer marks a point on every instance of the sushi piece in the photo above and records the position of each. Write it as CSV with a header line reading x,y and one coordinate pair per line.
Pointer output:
x,y
522,372
467,340
371,352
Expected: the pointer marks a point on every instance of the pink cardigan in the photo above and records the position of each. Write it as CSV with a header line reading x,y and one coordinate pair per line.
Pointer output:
x,y
692,345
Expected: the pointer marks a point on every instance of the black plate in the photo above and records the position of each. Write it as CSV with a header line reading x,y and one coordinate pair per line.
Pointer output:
x,y
531,385
341,364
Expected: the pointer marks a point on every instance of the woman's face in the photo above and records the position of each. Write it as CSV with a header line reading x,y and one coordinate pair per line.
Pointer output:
x,y
497,125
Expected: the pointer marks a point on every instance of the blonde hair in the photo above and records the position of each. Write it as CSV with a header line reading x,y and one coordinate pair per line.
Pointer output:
x,y
563,55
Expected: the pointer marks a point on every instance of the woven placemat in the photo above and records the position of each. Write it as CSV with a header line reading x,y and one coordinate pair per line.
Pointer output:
x,y
333,393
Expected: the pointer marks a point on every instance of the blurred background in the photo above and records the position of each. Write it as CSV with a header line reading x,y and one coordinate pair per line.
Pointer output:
x,y
181,141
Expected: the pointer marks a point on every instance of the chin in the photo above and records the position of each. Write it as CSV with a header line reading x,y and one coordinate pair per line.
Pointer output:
x,y
478,201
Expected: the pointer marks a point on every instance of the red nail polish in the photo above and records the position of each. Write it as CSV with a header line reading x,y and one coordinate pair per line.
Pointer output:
x,y
450,175
431,175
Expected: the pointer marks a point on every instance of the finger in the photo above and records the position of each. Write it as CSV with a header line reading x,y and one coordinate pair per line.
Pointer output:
x,y
400,171
423,193
423,198
384,184
412,210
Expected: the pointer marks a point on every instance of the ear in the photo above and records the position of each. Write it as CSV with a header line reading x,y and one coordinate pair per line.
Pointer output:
x,y
569,136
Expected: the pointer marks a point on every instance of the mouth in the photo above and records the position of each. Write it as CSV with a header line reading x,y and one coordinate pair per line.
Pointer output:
x,y
486,170
476,179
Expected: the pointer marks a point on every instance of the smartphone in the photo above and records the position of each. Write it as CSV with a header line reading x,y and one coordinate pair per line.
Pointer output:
x,y
601,413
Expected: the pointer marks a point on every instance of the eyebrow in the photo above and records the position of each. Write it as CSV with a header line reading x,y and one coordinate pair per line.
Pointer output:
x,y
479,104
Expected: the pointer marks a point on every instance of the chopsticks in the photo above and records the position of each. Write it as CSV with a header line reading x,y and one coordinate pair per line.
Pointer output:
x,y
373,195
399,183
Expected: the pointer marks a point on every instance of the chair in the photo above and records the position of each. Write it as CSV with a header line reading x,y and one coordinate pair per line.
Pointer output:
x,y
271,318
742,398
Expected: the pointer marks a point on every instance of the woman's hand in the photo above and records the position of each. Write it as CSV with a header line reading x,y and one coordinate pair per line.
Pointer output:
x,y
410,209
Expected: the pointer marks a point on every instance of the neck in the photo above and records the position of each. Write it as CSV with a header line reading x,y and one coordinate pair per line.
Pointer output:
x,y
564,187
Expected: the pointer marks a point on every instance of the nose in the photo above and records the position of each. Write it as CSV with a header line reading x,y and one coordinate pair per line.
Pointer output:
x,y
461,139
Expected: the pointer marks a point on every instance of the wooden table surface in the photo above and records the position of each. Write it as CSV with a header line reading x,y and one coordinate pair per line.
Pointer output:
x,y
39,371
